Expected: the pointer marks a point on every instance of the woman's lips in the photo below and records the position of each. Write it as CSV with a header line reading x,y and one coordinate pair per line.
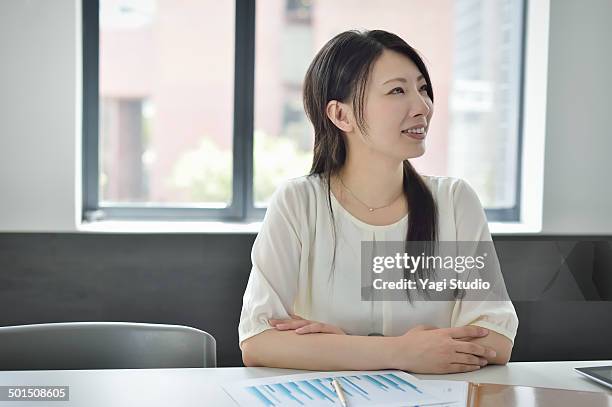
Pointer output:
x,y
416,136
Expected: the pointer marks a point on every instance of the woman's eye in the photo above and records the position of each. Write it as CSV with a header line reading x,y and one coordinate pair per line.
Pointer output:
x,y
399,91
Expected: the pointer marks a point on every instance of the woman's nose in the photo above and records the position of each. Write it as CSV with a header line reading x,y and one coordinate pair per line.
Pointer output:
x,y
419,105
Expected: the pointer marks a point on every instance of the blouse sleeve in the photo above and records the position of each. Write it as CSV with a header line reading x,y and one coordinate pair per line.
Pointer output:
x,y
272,285
471,225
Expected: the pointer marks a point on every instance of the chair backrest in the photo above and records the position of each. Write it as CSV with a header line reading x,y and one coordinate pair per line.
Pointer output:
x,y
104,345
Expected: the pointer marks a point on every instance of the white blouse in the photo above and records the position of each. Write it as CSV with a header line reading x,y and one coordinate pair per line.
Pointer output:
x,y
292,258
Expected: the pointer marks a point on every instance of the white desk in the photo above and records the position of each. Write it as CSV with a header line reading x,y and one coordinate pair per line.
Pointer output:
x,y
200,387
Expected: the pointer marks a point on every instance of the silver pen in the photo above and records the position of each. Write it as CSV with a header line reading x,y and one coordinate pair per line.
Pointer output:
x,y
339,392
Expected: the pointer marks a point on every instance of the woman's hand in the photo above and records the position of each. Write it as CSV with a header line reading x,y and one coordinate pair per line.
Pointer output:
x,y
425,349
304,326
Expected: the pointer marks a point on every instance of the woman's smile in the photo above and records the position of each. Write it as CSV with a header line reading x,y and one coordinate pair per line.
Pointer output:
x,y
417,134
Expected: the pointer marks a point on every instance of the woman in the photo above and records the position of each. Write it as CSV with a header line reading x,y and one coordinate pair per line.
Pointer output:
x,y
302,307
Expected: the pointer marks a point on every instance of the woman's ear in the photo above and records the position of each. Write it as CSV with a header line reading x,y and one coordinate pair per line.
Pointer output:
x,y
339,114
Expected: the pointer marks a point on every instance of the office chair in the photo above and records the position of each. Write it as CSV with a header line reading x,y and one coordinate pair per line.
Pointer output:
x,y
104,345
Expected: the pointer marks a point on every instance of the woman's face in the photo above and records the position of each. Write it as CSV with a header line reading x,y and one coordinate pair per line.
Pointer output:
x,y
395,100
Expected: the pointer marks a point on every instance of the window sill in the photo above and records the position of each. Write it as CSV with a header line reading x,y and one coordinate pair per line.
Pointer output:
x,y
496,228
161,227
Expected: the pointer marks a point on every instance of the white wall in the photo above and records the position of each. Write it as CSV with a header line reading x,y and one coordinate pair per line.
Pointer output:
x,y
38,115
578,165
40,119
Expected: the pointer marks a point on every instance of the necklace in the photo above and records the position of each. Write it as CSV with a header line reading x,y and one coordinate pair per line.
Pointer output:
x,y
371,209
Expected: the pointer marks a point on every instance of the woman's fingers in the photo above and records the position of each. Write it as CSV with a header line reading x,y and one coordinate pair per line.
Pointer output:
x,y
318,327
468,359
273,322
467,331
304,326
291,324
315,327
475,349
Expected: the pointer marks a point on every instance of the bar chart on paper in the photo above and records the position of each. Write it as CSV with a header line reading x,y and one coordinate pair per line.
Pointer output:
x,y
384,388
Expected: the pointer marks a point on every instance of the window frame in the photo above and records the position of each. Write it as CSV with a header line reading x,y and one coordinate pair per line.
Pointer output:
x,y
242,207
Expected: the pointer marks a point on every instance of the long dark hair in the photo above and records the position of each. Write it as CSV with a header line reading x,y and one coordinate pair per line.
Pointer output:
x,y
340,71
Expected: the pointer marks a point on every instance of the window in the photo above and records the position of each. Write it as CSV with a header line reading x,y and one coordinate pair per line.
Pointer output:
x,y
196,112
164,108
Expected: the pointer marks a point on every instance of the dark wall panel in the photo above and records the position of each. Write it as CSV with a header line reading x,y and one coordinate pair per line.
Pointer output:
x,y
198,280
194,280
